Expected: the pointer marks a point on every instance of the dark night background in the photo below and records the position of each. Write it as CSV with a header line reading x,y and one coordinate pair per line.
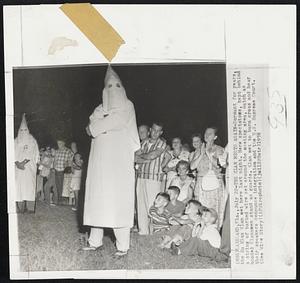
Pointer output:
x,y
186,98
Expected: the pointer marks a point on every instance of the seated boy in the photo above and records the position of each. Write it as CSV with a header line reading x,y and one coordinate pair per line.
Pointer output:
x,y
183,226
159,216
205,240
175,206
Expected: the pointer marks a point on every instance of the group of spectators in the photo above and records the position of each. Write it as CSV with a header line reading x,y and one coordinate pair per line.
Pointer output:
x,y
179,193
59,175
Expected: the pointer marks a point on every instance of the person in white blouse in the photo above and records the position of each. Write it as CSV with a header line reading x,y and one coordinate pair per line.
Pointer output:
x,y
176,154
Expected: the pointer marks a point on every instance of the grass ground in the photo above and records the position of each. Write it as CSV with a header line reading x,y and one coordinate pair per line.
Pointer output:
x,y
49,241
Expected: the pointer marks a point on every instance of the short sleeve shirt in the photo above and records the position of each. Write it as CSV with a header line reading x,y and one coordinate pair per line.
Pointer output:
x,y
183,186
211,234
62,159
159,221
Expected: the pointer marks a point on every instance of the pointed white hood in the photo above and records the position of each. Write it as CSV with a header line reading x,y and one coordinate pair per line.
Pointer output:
x,y
114,95
23,132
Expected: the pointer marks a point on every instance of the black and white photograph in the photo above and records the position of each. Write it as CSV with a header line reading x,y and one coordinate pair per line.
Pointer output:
x,y
150,141
122,166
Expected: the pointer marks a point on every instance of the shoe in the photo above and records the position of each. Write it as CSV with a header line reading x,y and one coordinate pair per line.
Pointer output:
x,y
88,247
135,229
119,254
52,204
174,249
74,208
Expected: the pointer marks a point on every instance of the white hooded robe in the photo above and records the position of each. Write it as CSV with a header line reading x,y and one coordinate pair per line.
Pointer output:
x,y
110,190
26,147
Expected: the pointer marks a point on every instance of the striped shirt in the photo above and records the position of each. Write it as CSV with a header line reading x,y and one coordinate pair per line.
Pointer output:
x,y
159,221
152,170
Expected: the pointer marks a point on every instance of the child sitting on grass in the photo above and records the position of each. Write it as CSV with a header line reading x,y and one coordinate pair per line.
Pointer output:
x,y
205,240
183,226
159,216
184,182
175,206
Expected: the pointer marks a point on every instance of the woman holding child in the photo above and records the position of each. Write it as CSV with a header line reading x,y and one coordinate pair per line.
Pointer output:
x,y
209,188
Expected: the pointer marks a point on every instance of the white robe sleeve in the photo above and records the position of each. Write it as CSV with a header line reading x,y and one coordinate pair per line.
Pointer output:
x,y
114,121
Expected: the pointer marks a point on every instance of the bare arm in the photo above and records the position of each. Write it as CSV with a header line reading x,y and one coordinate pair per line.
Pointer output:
x,y
166,160
195,162
200,231
182,221
196,230
214,156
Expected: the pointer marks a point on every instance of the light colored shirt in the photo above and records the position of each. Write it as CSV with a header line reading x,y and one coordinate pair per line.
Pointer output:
x,y
211,234
184,155
183,186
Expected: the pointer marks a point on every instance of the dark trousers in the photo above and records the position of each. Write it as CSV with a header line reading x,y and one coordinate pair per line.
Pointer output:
x,y
196,246
22,206
59,181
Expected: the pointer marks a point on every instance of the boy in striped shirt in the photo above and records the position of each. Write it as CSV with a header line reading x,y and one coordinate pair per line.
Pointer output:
x,y
159,216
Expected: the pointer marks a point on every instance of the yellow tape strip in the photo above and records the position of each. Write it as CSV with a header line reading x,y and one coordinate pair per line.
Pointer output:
x,y
94,27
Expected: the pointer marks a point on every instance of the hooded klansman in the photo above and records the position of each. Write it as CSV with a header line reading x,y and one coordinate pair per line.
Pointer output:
x,y
109,193
26,158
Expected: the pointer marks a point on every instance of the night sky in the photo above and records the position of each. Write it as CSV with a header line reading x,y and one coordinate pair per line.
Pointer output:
x,y
186,98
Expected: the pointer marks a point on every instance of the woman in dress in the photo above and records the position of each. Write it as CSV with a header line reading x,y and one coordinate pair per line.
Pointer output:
x,y
209,189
